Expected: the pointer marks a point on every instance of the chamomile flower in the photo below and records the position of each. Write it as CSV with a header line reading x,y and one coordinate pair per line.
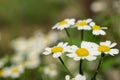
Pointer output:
x,y
97,30
51,70
83,24
88,50
5,72
77,77
66,23
57,51
107,48
32,62
15,71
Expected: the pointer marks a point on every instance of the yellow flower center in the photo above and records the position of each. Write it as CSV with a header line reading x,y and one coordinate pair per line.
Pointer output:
x,y
15,70
56,49
1,72
96,27
62,23
103,48
82,52
83,23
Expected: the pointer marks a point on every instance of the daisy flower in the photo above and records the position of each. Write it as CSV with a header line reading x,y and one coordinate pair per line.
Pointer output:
x,y
58,50
107,48
88,50
77,77
5,72
97,30
32,62
83,24
51,70
15,71
64,24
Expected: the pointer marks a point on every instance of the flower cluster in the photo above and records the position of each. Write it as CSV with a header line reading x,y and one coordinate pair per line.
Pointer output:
x,y
27,54
87,24
86,50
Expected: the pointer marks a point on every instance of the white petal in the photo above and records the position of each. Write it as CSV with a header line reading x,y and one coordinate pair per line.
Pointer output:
x,y
113,44
83,44
80,28
102,32
56,55
88,20
56,25
60,44
67,77
87,28
89,45
76,58
71,21
47,49
96,32
91,58
71,55
92,24
80,77
74,47
94,52
113,51
46,53
104,28
107,43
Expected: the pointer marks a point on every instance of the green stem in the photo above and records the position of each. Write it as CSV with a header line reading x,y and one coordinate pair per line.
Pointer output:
x,y
68,34
81,61
80,70
82,37
65,66
98,68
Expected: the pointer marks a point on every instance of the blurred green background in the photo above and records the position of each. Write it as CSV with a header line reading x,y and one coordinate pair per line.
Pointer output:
x,y
24,17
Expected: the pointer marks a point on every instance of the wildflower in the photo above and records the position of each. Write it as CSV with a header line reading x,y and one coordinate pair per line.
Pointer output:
x,y
32,63
107,48
15,71
58,50
17,58
77,77
5,72
83,24
66,23
51,70
88,50
19,45
97,30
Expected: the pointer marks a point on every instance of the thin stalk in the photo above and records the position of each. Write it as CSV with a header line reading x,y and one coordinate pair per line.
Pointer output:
x,y
65,66
80,69
68,34
81,61
82,35
98,68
